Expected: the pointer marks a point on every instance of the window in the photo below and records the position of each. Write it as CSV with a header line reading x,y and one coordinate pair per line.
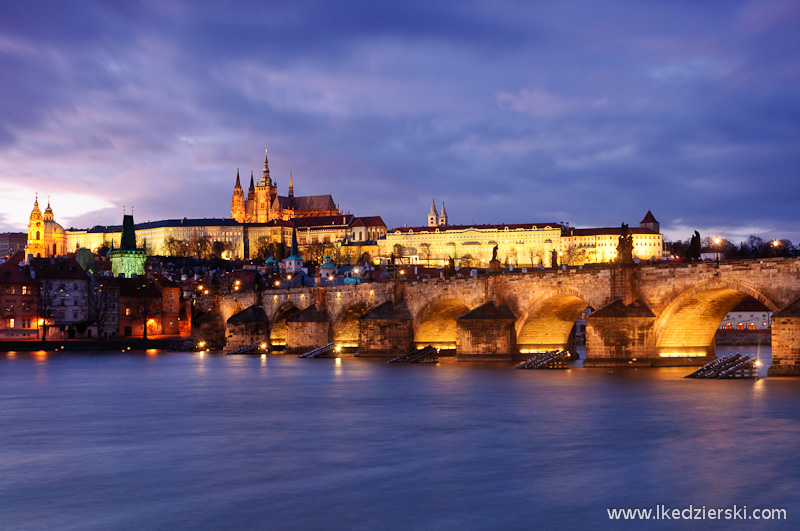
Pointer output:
x,y
74,314
740,326
127,311
171,294
26,290
10,323
751,326
170,309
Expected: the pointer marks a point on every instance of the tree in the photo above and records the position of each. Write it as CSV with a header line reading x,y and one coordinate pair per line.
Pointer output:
x,y
219,248
176,247
103,249
100,302
466,260
535,255
50,292
425,252
317,251
574,256
146,304
340,255
200,245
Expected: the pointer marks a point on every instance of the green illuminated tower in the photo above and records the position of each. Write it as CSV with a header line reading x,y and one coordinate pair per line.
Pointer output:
x,y
128,260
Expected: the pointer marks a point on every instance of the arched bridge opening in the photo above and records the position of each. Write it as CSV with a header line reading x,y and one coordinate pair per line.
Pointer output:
x,y
549,323
277,333
345,333
687,328
437,325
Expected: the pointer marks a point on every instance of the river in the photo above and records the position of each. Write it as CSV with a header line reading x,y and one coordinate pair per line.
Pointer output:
x,y
205,441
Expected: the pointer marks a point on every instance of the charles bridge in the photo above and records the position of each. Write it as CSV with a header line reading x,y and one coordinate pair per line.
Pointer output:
x,y
646,315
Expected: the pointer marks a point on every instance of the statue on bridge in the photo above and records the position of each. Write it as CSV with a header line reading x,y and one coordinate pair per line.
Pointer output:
x,y
554,259
494,264
625,246
693,252
450,268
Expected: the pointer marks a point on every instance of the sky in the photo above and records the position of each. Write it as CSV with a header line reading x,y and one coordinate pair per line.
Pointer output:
x,y
508,112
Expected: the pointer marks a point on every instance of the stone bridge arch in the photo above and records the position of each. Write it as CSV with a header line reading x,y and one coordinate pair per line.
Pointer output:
x,y
687,326
435,323
345,324
277,323
547,322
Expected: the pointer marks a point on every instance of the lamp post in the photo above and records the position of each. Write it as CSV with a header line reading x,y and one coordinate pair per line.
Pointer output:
x,y
716,248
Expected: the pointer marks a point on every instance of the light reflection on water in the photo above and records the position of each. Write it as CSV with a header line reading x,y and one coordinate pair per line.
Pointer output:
x,y
191,441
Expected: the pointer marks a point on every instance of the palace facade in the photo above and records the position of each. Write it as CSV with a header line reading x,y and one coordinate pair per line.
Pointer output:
x,y
520,245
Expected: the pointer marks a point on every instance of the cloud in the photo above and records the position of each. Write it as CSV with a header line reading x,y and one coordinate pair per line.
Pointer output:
x,y
586,113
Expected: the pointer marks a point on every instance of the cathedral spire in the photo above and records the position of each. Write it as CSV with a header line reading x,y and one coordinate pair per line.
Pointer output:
x,y
265,178
238,183
291,185
251,192
443,216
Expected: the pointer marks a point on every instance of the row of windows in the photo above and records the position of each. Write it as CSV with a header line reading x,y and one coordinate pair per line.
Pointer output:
x,y
23,323
12,290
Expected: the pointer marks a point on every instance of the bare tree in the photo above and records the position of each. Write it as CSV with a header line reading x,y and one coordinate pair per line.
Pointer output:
x,y
200,245
50,293
146,304
102,303
425,252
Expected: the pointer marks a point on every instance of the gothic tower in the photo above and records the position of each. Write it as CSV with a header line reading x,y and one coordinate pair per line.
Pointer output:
x,y
237,203
443,216
433,216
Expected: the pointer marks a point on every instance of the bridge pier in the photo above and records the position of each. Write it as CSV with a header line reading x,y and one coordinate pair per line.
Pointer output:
x,y
309,328
387,330
620,334
485,334
786,341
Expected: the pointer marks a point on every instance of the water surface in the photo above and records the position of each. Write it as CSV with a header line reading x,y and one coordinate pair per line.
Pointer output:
x,y
190,441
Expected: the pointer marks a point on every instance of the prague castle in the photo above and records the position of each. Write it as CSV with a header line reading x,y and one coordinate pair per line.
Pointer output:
x,y
263,204
527,244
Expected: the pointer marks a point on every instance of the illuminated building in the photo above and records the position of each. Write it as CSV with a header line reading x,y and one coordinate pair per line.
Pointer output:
x,y
242,239
19,297
11,242
128,260
263,204
46,238
520,245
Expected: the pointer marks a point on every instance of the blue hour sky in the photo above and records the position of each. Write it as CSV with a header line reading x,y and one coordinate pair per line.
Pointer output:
x,y
509,112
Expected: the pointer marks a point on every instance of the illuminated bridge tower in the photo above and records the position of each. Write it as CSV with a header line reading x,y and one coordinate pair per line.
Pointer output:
x,y
128,260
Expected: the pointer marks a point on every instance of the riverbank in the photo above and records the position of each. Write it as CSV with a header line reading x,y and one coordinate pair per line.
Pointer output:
x,y
116,344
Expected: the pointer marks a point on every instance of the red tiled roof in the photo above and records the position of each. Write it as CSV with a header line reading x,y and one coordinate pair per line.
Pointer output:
x,y
11,272
649,218
369,221
58,269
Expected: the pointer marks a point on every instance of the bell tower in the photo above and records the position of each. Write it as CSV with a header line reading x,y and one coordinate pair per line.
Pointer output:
x,y
35,246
